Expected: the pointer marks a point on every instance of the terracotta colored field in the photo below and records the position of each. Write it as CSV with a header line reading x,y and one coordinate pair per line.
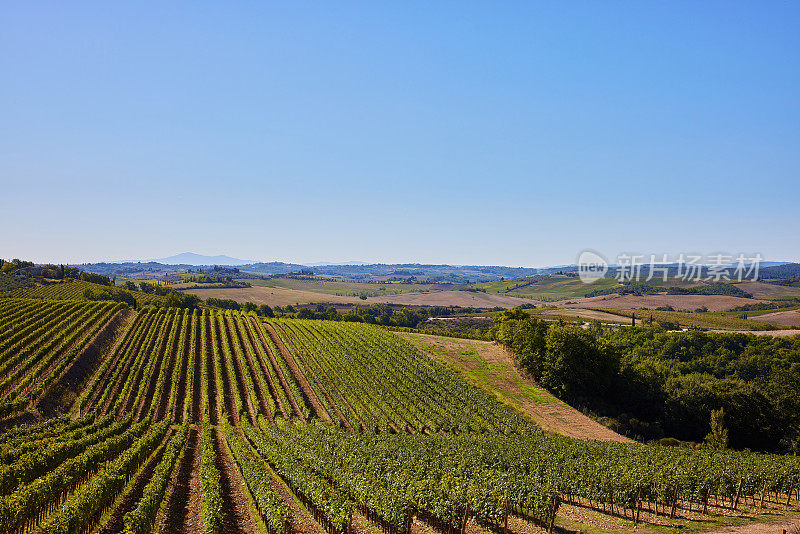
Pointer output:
x,y
492,368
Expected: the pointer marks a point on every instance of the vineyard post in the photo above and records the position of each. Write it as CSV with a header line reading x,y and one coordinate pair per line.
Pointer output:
x,y
638,507
708,497
791,489
763,493
505,515
674,503
553,515
464,521
738,494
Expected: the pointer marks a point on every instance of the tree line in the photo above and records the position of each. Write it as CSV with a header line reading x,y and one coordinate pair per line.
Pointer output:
x,y
650,384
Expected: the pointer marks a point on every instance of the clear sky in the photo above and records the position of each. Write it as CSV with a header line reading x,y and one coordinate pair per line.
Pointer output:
x,y
515,133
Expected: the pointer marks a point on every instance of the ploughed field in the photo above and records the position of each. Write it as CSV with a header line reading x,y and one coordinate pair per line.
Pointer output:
x,y
174,421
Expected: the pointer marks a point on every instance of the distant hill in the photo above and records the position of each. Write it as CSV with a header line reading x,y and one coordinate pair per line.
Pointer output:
x,y
787,270
190,258
327,263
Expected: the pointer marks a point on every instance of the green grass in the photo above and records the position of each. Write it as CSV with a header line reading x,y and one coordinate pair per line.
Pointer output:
x,y
483,374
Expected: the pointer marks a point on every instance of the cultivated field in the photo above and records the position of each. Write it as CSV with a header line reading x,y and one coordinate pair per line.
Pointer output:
x,y
785,318
273,296
279,296
492,368
762,290
453,298
71,289
553,287
343,288
679,302
201,421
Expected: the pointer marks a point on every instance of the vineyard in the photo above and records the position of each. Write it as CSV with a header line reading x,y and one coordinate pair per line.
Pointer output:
x,y
71,289
185,421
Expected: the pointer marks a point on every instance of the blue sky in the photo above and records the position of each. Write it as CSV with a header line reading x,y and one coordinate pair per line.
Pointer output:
x,y
515,133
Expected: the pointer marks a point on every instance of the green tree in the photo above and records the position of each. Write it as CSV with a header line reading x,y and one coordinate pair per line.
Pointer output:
x,y
718,437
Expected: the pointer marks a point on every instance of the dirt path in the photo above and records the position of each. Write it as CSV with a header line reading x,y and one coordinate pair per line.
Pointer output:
x,y
771,333
221,363
108,319
123,345
359,524
240,330
197,379
302,522
212,400
278,371
492,368
162,359
170,361
179,408
268,388
155,349
120,380
790,525
80,372
238,371
301,378
235,504
183,509
130,500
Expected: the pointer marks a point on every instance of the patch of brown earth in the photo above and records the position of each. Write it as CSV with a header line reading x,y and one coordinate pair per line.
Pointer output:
x,y
184,506
236,507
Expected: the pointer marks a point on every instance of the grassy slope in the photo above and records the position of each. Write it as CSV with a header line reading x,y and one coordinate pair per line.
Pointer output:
x,y
492,368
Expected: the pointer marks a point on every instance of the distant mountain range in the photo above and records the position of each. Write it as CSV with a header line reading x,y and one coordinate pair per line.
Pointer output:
x,y
363,271
326,263
191,258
